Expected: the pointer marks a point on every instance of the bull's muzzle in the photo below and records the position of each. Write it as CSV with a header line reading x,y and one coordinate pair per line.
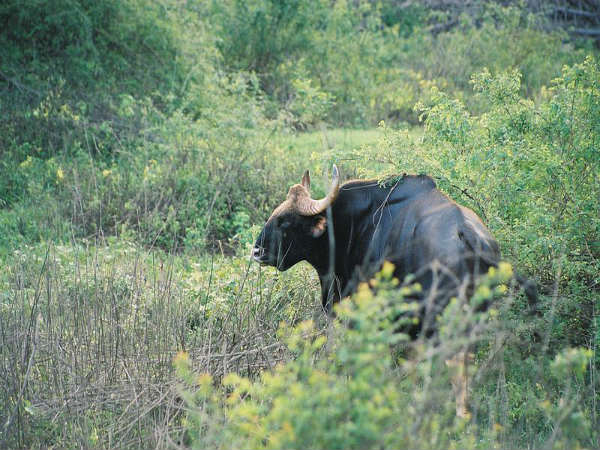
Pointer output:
x,y
258,255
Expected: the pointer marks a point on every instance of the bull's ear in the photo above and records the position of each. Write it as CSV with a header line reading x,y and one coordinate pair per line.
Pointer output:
x,y
318,227
306,180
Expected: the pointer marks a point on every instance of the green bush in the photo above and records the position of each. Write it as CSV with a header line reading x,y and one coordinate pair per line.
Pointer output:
x,y
88,43
345,389
66,72
162,158
264,36
374,64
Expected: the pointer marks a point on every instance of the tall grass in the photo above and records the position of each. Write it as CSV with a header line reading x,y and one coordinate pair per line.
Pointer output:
x,y
88,336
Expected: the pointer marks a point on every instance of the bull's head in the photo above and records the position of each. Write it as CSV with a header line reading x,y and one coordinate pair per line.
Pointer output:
x,y
295,228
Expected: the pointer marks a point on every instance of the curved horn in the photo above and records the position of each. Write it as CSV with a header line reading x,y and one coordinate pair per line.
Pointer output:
x,y
306,206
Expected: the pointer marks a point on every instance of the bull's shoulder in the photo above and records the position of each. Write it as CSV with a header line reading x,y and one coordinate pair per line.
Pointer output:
x,y
390,189
353,185
356,197
423,182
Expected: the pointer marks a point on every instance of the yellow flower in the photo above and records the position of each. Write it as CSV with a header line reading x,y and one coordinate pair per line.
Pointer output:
x,y
26,163
306,326
505,271
181,357
204,379
387,270
484,291
60,175
501,289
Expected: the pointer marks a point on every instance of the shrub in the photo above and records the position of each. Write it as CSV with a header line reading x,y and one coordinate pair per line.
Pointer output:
x,y
345,389
375,64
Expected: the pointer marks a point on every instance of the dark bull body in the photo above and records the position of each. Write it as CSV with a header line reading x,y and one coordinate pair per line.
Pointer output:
x,y
348,235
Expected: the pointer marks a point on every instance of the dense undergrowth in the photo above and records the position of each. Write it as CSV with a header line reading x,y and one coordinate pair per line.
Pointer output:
x,y
142,145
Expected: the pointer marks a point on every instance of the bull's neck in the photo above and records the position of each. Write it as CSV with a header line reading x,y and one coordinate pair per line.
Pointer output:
x,y
323,256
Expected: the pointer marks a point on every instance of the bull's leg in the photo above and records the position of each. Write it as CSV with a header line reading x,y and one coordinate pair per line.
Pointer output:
x,y
330,292
458,366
